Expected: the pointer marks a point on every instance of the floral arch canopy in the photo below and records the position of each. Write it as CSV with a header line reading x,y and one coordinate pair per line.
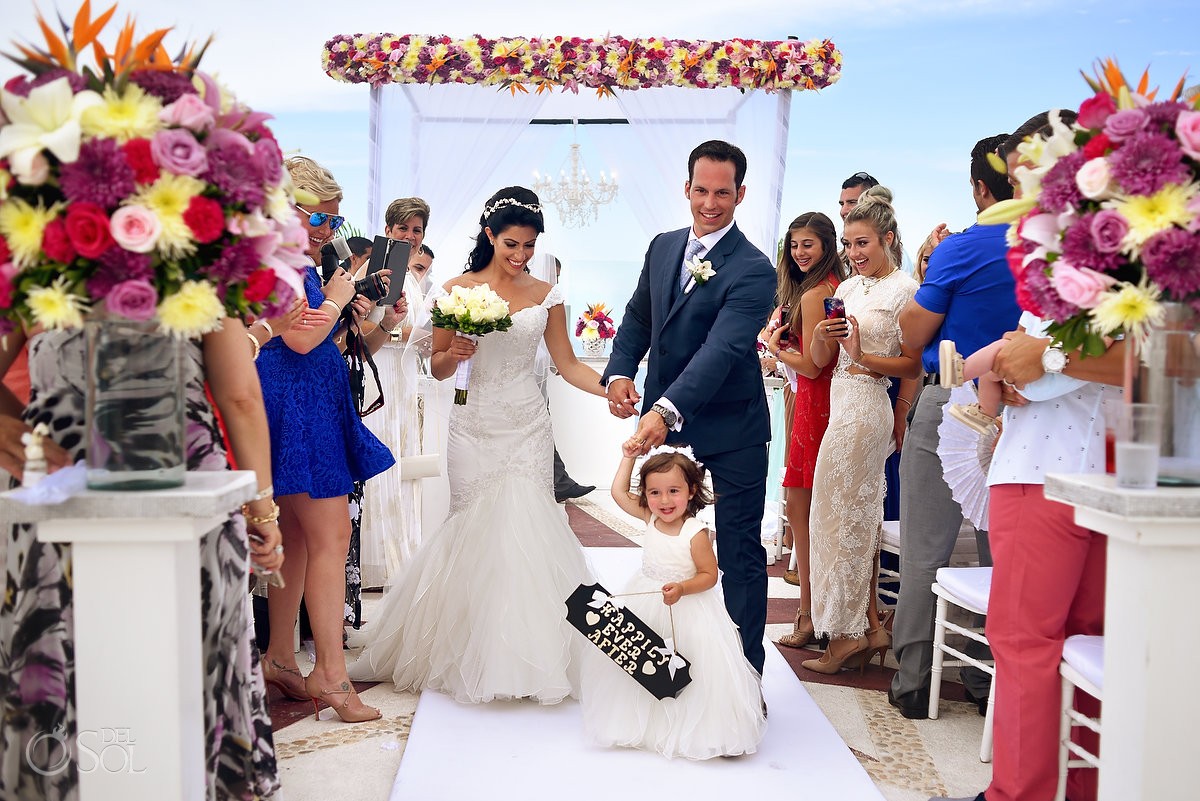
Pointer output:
x,y
436,135
574,63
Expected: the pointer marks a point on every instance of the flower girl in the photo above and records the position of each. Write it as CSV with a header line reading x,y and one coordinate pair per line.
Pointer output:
x,y
720,713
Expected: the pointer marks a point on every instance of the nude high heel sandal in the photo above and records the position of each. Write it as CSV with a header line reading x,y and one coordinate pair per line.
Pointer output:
x,y
798,638
338,699
831,663
289,681
878,642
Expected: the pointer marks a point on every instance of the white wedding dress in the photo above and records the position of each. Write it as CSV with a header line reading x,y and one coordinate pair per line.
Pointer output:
x,y
479,612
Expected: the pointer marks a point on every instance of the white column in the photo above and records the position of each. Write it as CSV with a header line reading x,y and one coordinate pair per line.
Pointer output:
x,y
1147,749
135,567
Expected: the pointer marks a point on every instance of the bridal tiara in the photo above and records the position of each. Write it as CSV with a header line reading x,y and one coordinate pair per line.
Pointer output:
x,y
683,450
488,211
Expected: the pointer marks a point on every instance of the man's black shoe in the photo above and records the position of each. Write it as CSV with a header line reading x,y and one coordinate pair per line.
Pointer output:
x,y
914,705
571,492
980,703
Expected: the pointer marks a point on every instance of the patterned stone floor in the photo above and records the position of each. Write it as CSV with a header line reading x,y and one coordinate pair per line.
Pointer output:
x,y
908,760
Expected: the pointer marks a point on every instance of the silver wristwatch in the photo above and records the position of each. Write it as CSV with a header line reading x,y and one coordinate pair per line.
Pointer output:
x,y
669,417
1054,360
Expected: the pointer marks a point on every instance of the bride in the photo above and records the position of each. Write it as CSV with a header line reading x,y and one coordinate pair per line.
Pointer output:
x,y
479,611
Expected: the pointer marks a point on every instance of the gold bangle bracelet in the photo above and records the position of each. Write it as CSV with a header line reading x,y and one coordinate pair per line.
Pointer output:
x,y
257,520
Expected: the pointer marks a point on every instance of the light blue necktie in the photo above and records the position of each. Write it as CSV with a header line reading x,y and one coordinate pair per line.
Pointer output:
x,y
693,250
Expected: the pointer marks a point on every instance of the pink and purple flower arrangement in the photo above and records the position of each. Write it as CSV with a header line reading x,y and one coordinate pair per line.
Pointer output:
x,y
138,188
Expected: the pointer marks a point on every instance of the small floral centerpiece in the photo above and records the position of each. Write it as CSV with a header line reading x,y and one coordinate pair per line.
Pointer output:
x,y
138,186
1108,225
595,323
471,312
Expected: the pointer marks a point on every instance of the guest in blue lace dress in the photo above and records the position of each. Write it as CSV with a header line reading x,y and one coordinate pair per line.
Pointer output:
x,y
319,449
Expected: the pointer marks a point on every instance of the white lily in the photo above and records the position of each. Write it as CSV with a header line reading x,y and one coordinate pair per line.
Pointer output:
x,y
46,120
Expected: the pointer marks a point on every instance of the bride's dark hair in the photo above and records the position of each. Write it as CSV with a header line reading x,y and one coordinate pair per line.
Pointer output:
x,y
512,205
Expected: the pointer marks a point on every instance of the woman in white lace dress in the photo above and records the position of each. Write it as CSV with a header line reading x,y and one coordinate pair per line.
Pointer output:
x,y
479,613
848,484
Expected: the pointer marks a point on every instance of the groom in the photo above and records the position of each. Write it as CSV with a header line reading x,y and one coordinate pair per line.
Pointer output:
x,y
704,294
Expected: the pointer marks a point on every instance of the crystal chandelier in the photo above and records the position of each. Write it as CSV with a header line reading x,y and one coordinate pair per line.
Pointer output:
x,y
577,199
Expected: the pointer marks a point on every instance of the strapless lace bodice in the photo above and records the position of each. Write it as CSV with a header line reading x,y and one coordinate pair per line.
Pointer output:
x,y
504,428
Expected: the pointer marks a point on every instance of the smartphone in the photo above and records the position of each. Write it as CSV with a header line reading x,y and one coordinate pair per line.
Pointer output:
x,y
784,318
392,254
834,308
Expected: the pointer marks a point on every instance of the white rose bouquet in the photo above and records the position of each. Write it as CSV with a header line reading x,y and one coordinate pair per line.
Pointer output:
x,y
470,312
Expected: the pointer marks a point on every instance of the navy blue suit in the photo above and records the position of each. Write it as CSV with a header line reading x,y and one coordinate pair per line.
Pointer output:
x,y
702,357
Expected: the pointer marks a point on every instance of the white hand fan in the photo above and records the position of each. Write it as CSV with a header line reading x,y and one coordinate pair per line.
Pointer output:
x,y
966,455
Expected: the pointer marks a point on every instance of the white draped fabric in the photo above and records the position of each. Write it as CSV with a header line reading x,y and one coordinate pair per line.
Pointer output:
x,y
450,143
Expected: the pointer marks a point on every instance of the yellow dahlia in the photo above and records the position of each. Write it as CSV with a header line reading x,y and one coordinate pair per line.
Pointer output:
x,y
55,306
1149,214
132,114
192,311
168,198
1130,308
23,226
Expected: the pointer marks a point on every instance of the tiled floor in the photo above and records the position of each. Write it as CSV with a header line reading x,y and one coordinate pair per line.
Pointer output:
x,y
908,760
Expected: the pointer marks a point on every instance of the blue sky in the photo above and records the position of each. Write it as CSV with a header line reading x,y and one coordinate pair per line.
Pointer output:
x,y
922,79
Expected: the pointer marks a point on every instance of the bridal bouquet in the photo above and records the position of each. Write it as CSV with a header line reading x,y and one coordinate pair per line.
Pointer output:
x,y
1109,223
471,312
595,323
138,185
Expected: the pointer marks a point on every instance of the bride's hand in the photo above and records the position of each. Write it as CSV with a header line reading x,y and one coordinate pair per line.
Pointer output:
x,y
461,348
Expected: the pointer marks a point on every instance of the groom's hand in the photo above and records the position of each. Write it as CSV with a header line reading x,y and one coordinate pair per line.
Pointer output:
x,y
622,398
651,431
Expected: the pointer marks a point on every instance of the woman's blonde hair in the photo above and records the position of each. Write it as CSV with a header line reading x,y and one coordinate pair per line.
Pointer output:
x,y
312,177
874,207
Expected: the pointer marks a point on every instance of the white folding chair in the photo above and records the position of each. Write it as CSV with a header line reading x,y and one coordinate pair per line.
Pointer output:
x,y
889,541
968,588
1082,668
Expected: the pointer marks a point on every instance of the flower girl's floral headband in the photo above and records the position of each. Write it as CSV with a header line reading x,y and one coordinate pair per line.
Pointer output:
x,y
683,450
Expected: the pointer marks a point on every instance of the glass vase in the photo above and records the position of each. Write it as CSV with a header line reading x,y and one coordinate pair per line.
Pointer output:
x,y
593,348
1165,370
134,416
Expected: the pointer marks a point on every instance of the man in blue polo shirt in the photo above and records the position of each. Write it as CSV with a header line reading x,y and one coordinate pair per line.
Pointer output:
x,y
968,296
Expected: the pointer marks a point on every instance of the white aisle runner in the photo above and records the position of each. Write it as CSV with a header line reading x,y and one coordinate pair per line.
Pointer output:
x,y
521,750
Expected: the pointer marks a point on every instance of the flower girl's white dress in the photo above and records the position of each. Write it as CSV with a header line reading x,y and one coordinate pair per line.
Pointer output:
x,y
479,612
719,713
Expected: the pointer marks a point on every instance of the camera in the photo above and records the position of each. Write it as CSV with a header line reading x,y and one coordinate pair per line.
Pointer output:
x,y
374,288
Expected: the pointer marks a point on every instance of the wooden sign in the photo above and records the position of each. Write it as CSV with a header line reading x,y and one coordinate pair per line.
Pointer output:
x,y
625,638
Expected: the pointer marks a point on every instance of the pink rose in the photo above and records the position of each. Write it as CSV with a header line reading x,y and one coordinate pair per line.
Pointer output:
x,y
178,152
38,172
136,228
1125,123
1081,287
1094,180
1108,230
1095,110
1187,129
135,300
189,111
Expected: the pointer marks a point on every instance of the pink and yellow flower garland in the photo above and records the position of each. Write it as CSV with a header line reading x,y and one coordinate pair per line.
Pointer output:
x,y
573,62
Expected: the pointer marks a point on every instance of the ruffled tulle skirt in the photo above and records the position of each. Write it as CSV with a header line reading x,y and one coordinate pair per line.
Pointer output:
x,y
479,613
719,713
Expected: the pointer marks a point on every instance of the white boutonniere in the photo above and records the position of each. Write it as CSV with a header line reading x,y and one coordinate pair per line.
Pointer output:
x,y
701,271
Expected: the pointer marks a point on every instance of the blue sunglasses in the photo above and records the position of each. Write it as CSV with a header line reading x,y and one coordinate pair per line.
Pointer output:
x,y
317,218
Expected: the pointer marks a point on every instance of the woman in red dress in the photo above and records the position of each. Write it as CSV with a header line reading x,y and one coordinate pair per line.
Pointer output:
x,y
809,272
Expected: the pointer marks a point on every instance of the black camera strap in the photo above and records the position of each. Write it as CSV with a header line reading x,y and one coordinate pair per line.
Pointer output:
x,y
357,355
